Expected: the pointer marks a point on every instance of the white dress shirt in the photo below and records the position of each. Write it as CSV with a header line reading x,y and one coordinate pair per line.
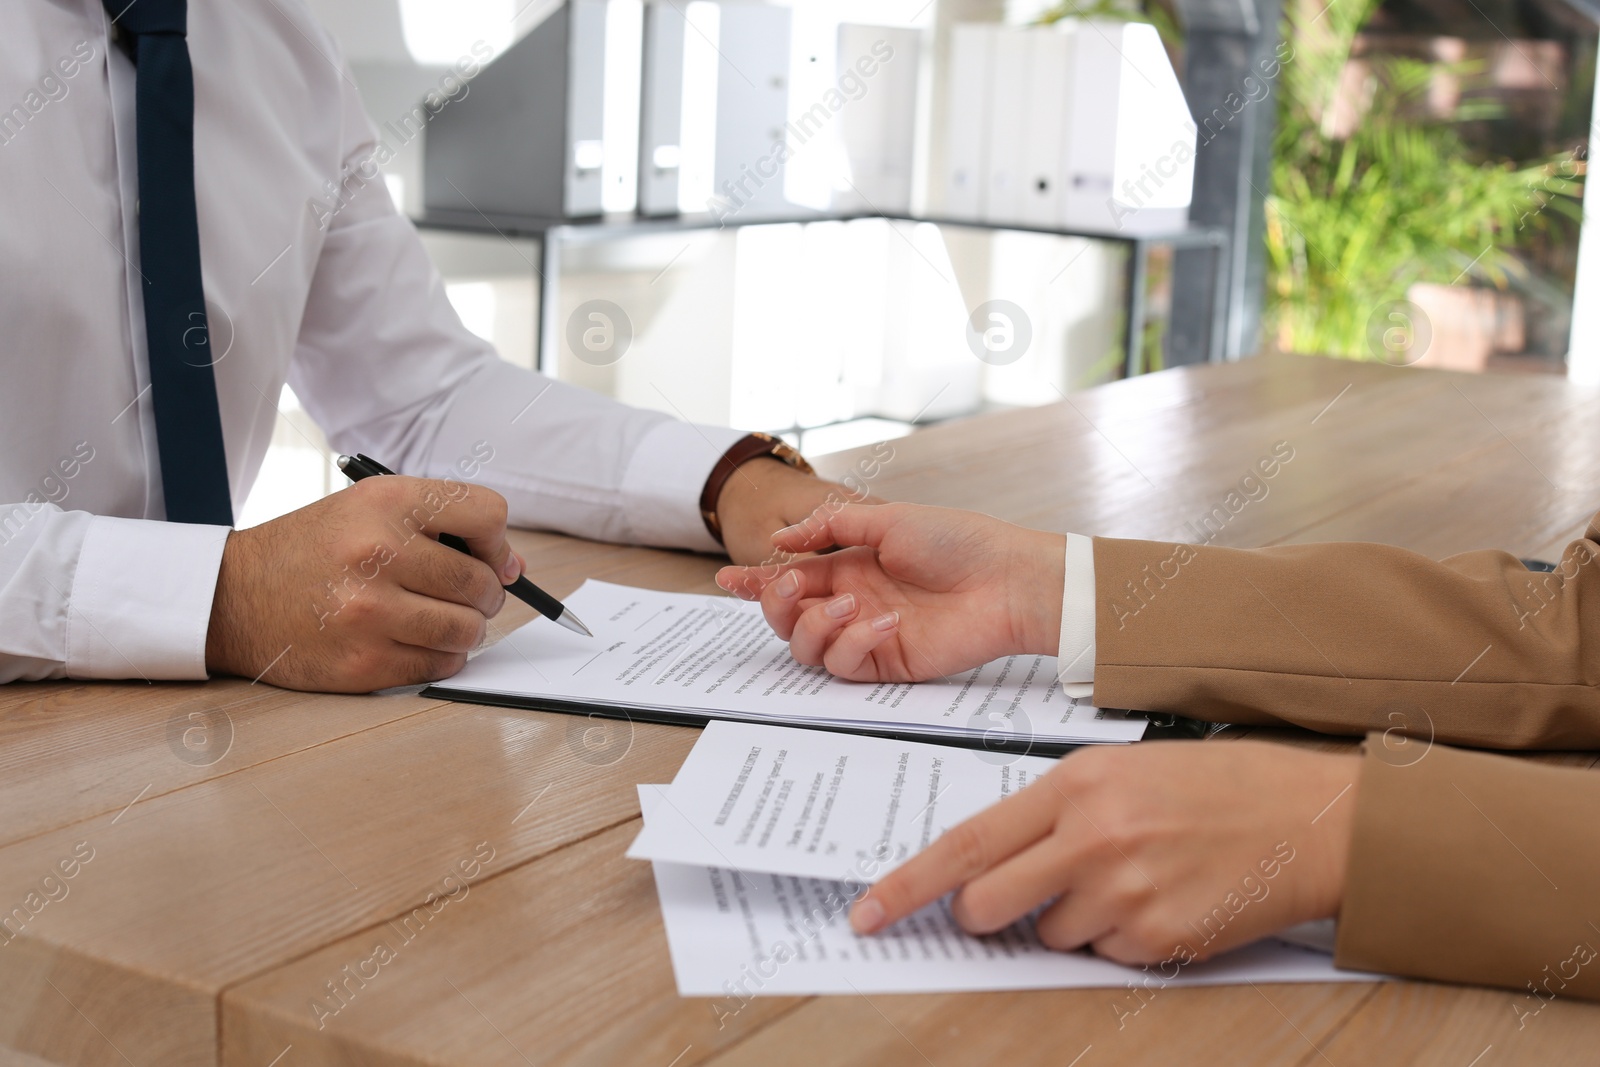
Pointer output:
x,y
348,310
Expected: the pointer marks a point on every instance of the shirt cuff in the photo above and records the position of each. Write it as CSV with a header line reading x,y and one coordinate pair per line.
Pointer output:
x,y
662,484
141,599
1075,657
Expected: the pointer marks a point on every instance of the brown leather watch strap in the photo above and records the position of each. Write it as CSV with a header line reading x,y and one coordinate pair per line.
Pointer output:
x,y
751,446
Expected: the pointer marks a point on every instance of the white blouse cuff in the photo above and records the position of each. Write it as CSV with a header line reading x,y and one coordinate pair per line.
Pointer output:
x,y
1075,662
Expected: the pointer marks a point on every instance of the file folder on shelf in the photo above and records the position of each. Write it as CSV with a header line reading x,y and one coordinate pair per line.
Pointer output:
x,y
878,124
661,108
967,116
1009,127
529,138
1050,58
1130,141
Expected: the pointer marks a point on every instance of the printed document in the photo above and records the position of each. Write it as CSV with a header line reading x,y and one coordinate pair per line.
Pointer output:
x,y
734,935
821,805
690,657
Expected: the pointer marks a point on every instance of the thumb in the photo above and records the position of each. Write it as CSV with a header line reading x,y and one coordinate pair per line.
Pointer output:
x,y
844,526
498,554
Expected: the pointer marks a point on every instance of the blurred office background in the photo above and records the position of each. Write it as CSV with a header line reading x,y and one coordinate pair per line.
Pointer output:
x,y
842,331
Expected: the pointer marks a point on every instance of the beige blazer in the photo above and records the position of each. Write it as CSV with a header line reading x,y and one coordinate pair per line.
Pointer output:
x,y
1464,867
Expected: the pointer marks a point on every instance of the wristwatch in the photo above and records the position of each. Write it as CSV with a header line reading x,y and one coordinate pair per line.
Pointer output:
x,y
751,446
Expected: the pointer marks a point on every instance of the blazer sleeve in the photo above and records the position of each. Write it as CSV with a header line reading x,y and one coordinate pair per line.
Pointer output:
x,y
1470,867
1348,637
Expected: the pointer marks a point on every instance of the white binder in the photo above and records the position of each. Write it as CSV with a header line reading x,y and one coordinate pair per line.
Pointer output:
x,y
877,130
1130,149
752,110
1050,56
1009,126
661,108
967,114
586,112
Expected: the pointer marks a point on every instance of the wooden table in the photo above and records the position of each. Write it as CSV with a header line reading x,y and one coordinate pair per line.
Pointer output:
x,y
250,847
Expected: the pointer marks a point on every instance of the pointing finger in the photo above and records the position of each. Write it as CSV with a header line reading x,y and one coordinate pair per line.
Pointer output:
x,y
958,856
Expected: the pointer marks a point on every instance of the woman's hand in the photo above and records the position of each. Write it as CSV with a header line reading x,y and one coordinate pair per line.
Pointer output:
x,y
1151,853
916,592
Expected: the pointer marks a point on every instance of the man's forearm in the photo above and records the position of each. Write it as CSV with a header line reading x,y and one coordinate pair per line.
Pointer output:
x,y
763,495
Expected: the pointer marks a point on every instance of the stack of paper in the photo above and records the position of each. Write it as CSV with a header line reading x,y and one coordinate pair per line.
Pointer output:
x,y
687,658
767,835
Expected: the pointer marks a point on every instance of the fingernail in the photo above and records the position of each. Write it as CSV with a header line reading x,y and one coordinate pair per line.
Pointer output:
x,y
511,570
788,585
838,609
866,916
787,532
886,622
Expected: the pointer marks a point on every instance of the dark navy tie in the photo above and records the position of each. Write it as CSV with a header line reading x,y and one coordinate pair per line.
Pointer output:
x,y
194,468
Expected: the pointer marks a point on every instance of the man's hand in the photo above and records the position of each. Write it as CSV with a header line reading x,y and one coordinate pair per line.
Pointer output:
x,y
918,593
353,593
762,497
1161,852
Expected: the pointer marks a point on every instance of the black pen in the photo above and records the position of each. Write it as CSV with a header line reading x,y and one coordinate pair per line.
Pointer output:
x,y
357,467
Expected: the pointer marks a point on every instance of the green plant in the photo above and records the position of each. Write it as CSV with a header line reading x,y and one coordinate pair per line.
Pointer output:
x,y
1354,221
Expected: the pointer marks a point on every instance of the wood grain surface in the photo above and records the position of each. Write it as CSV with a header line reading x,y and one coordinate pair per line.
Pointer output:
x,y
249,846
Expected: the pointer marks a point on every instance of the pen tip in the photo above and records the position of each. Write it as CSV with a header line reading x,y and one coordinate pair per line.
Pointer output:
x,y
573,623
343,461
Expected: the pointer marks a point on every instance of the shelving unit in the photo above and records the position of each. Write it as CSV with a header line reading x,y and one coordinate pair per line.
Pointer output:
x,y
554,234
